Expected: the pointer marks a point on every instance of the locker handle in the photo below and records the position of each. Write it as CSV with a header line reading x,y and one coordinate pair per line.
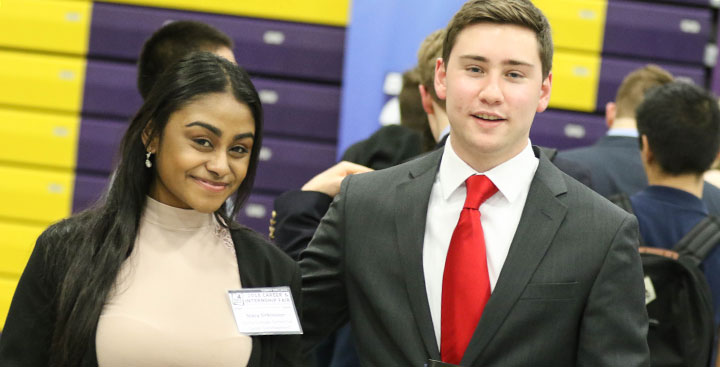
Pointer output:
x,y
265,154
690,26
274,37
268,96
255,211
574,131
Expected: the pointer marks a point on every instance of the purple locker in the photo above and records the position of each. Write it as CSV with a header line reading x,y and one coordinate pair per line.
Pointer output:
x,y
613,71
291,108
110,90
647,30
98,144
716,70
287,165
256,212
299,109
563,130
707,3
88,189
261,46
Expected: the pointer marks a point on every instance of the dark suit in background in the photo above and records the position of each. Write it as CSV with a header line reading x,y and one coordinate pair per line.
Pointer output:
x,y
615,167
570,292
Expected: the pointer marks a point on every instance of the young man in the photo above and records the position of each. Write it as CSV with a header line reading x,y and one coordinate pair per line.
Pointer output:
x,y
615,160
172,42
679,126
545,273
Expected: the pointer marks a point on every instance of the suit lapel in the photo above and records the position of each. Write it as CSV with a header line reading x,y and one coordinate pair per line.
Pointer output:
x,y
540,220
411,203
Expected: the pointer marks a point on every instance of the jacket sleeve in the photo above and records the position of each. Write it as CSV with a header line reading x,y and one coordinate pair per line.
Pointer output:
x,y
323,285
296,216
614,327
28,330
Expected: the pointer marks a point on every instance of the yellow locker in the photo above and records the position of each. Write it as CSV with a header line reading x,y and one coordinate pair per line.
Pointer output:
x,y
576,24
40,196
46,25
16,244
42,81
7,289
39,138
330,12
576,77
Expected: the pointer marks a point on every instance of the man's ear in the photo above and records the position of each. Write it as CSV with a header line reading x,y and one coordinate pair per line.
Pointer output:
x,y
645,151
440,81
545,89
426,99
610,111
150,143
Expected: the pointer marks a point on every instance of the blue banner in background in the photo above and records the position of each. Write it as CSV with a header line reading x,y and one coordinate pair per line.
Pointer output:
x,y
382,39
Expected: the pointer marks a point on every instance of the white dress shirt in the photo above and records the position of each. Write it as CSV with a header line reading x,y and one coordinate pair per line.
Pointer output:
x,y
500,215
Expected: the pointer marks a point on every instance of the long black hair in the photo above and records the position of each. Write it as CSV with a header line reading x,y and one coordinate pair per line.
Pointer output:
x,y
90,257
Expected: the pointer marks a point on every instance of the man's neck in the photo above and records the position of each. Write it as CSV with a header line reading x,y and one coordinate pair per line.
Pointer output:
x,y
691,183
624,123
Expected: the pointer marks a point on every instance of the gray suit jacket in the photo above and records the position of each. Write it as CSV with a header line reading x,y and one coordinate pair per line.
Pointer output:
x,y
570,293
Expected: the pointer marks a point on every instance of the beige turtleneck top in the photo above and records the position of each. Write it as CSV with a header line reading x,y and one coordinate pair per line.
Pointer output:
x,y
169,306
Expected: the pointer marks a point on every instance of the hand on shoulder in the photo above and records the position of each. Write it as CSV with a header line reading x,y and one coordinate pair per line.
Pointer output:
x,y
328,182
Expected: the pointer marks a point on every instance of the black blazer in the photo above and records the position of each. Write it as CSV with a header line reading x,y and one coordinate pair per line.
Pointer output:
x,y
29,326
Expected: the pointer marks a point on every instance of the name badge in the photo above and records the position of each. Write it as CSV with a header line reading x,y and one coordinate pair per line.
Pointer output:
x,y
265,311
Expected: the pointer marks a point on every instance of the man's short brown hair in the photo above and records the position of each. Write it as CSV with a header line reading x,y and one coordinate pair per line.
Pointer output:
x,y
516,12
633,88
430,50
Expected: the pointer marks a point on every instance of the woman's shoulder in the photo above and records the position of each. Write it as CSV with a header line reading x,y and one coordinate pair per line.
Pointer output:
x,y
260,261
250,240
57,239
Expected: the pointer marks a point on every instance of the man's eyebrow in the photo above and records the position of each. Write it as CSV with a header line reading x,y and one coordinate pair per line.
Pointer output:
x,y
505,62
212,129
474,58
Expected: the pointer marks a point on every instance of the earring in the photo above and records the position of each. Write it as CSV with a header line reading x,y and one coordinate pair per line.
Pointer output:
x,y
148,164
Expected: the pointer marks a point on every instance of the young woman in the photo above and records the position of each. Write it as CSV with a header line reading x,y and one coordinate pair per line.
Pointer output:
x,y
142,278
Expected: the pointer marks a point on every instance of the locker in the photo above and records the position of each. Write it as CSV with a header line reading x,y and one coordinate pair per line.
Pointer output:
x,y
299,109
256,212
614,70
110,90
88,189
331,12
261,46
39,196
576,25
41,81
646,29
99,144
575,80
38,138
45,25
287,165
291,108
563,129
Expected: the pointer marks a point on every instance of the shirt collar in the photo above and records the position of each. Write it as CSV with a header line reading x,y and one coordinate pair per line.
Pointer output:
x,y
632,133
445,131
510,177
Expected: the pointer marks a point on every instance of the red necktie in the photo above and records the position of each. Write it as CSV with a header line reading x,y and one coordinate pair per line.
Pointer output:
x,y
466,284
